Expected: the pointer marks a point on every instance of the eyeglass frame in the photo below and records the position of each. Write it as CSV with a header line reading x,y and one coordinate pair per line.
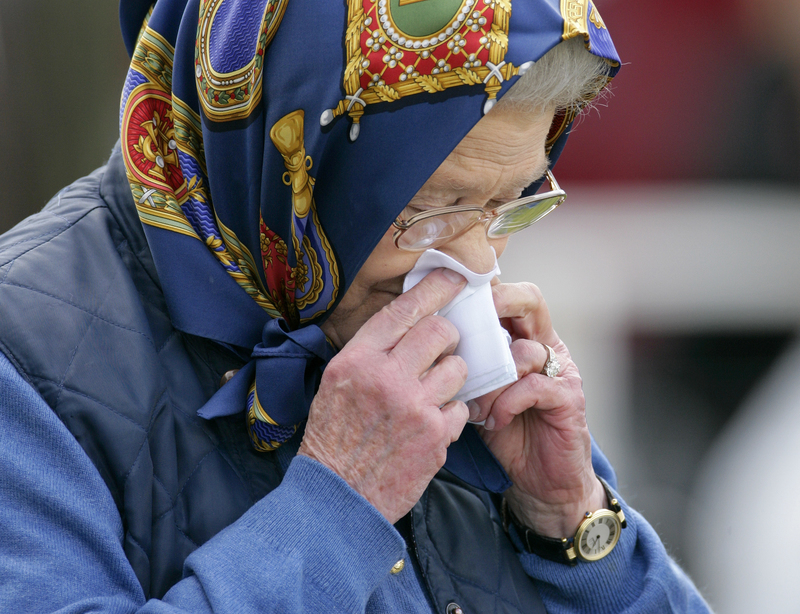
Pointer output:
x,y
486,216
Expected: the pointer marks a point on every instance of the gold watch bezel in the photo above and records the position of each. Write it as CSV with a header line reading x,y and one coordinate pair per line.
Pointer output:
x,y
590,518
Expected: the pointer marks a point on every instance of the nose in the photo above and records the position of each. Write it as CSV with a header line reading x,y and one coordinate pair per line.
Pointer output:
x,y
473,250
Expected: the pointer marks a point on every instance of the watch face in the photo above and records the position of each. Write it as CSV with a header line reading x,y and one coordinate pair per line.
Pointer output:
x,y
598,535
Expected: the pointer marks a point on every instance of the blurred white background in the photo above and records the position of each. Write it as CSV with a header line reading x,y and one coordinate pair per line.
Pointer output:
x,y
672,271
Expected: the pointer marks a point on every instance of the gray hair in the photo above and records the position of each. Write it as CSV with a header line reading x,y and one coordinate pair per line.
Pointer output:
x,y
567,77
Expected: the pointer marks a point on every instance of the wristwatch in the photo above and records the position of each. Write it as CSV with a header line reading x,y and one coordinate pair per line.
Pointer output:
x,y
595,538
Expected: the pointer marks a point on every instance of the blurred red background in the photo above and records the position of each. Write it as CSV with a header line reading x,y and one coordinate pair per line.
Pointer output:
x,y
708,90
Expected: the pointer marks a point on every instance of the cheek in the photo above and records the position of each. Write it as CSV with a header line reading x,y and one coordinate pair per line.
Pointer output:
x,y
499,246
380,276
385,264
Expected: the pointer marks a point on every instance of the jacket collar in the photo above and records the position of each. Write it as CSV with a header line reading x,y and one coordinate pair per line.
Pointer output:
x,y
116,192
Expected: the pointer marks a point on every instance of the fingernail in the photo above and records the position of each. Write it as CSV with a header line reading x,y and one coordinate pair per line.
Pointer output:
x,y
456,278
474,410
489,424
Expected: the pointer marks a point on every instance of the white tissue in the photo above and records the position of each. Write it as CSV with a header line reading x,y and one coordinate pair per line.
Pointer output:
x,y
484,344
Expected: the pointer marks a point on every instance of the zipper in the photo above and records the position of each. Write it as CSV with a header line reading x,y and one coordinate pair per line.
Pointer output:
x,y
415,554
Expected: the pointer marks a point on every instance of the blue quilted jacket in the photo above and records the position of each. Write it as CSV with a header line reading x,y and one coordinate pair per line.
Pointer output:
x,y
84,321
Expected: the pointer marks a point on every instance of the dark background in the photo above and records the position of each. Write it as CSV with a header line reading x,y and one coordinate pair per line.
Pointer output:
x,y
62,65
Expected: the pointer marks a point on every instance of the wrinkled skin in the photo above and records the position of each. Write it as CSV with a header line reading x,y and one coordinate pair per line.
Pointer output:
x,y
382,418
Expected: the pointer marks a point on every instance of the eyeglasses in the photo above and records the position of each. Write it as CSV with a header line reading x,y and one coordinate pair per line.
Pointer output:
x,y
431,229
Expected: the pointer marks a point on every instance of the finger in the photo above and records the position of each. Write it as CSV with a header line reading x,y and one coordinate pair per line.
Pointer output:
x,y
517,300
391,323
532,392
455,414
443,381
428,340
529,356
527,310
477,410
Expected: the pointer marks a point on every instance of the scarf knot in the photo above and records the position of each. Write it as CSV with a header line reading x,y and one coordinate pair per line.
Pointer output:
x,y
277,385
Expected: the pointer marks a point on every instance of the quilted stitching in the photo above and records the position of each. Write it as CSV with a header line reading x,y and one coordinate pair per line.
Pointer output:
x,y
167,461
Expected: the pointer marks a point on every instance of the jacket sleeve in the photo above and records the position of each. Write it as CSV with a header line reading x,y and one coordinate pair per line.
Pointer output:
x,y
638,576
61,534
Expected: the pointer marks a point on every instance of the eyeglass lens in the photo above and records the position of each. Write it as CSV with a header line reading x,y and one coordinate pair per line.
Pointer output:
x,y
519,218
435,231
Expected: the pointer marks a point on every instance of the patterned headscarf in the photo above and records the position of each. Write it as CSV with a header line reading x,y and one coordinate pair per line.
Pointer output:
x,y
269,144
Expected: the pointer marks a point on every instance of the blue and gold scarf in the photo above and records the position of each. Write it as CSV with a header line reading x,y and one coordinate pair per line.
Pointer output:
x,y
269,144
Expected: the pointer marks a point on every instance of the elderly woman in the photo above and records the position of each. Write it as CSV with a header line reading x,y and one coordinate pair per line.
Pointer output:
x,y
217,396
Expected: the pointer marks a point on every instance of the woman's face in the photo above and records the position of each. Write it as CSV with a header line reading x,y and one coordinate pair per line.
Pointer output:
x,y
493,164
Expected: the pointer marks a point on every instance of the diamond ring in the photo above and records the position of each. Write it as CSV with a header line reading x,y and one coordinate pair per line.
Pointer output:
x,y
551,366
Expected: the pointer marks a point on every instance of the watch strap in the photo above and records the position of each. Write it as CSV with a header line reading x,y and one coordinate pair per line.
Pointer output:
x,y
552,548
613,503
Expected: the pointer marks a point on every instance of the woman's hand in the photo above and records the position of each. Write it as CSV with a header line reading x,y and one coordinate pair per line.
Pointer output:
x,y
381,418
536,427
